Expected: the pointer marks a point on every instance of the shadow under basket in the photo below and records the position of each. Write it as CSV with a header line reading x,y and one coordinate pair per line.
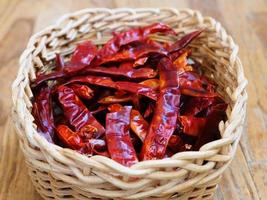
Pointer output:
x,y
60,173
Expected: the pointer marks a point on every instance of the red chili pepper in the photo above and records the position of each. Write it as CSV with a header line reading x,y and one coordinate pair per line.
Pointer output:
x,y
195,85
191,125
152,83
82,91
184,41
144,72
46,77
138,124
215,114
165,116
135,34
177,144
76,112
195,106
82,57
149,110
115,107
94,80
69,138
118,138
120,85
137,88
43,114
59,62
133,53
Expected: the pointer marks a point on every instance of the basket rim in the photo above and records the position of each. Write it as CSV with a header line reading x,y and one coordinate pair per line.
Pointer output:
x,y
137,168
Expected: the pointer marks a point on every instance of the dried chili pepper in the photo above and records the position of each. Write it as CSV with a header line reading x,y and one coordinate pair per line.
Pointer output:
x,y
118,138
76,112
120,85
135,34
144,72
132,53
138,124
43,114
149,110
94,80
165,116
137,89
82,91
191,125
193,84
177,144
152,83
59,62
45,77
214,115
69,138
82,57
184,41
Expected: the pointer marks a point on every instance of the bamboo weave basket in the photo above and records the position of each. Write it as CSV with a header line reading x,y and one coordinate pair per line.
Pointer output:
x,y
59,173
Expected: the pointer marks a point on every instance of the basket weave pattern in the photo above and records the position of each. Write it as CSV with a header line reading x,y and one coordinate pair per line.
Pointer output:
x,y
59,173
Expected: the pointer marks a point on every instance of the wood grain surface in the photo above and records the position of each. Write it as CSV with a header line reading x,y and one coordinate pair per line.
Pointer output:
x,y
245,20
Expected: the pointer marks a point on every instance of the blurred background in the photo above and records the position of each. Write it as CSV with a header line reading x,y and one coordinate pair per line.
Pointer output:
x,y
245,20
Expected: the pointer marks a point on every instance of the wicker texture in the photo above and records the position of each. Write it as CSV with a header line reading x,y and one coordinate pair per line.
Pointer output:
x,y
59,173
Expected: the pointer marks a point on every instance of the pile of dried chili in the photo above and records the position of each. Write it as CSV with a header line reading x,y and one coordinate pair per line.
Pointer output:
x,y
133,99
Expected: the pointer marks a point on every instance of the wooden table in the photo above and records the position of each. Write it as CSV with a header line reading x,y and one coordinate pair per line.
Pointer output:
x,y
245,20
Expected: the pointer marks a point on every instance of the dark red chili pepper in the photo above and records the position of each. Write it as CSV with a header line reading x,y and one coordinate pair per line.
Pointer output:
x,y
138,124
135,34
82,91
177,144
59,62
118,138
197,105
184,41
43,114
144,72
76,112
215,114
149,110
137,88
94,80
165,116
120,85
192,84
82,57
45,77
132,54
191,125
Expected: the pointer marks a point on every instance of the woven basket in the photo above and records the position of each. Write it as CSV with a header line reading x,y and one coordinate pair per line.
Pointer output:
x,y
60,173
